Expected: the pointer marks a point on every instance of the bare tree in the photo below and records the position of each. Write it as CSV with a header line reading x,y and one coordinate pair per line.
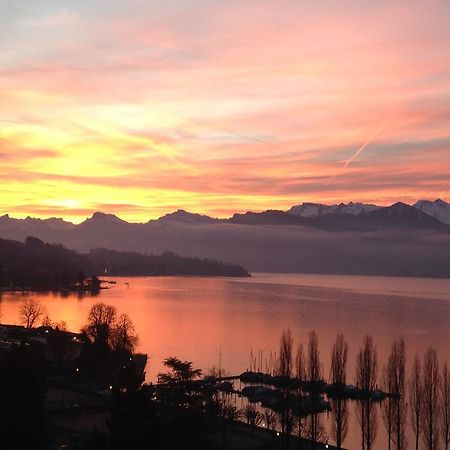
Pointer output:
x,y
100,323
367,366
286,348
252,416
445,415
314,368
300,364
388,408
217,372
30,311
339,425
301,429
300,372
366,376
270,419
123,335
285,370
338,375
416,399
339,360
401,406
395,406
431,405
315,430
47,322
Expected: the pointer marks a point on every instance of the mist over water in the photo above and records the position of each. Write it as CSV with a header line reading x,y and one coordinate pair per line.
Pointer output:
x,y
219,320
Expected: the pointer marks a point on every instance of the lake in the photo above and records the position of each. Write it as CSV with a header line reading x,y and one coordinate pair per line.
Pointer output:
x,y
213,321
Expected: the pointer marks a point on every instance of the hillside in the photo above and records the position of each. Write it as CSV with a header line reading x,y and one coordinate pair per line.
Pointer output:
x,y
398,240
36,265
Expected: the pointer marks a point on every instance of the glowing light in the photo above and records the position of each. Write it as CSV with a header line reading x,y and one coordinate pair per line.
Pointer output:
x,y
106,127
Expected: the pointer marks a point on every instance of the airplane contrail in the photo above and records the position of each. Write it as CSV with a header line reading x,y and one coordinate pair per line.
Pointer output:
x,y
359,151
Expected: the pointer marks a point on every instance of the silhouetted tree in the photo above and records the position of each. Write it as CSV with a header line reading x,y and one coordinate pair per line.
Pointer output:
x,y
286,348
314,428
216,372
123,335
252,416
300,371
30,311
395,406
285,371
431,405
301,430
179,371
314,367
416,399
445,415
100,323
339,355
398,375
108,346
339,427
175,386
366,376
388,408
270,419
46,321
300,364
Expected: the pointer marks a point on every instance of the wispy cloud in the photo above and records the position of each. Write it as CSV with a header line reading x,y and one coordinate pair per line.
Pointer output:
x,y
221,106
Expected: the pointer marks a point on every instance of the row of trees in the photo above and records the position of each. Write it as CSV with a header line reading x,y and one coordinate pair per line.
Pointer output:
x,y
428,396
108,339
104,328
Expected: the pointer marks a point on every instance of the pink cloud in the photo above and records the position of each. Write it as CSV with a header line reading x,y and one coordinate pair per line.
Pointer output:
x,y
248,100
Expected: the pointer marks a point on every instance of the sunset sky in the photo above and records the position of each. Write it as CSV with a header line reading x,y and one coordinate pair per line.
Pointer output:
x,y
140,107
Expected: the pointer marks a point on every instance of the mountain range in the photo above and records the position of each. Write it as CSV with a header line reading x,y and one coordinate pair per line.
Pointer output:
x,y
353,238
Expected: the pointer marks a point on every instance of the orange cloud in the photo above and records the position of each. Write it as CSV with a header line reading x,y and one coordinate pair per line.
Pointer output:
x,y
222,107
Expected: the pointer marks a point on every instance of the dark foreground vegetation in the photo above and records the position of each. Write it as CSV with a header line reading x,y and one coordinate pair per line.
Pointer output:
x,y
35,265
86,390
420,399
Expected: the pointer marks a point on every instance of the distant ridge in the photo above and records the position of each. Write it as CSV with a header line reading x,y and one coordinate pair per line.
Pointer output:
x,y
395,240
186,217
101,219
36,265
438,209
270,217
403,215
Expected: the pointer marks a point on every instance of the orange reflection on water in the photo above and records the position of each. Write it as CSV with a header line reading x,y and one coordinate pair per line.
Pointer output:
x,y
213,321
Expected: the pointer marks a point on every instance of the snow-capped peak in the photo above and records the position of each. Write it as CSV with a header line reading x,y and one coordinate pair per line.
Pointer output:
x,y
439,209
317,209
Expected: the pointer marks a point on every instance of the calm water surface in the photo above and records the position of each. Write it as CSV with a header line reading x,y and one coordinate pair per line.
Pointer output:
x,y
199,319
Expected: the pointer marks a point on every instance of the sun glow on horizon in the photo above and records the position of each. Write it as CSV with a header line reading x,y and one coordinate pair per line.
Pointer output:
x,y
133,111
